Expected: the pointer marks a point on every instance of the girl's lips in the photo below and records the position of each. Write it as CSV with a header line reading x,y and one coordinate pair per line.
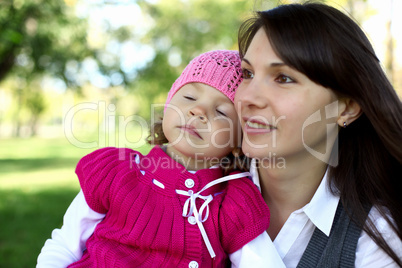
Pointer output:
x,y
257,127
191,130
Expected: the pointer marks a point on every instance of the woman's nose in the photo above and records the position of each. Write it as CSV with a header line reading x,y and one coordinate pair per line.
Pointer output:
x,y
250,95
198,111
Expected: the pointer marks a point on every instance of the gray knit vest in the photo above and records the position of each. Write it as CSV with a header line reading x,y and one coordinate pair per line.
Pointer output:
x,y
337,250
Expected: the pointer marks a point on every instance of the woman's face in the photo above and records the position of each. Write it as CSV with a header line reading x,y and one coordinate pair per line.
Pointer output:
x,y
283,113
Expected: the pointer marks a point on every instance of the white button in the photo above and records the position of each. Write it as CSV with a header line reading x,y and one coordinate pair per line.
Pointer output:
x,y
137,159
189,183
192,220
193,264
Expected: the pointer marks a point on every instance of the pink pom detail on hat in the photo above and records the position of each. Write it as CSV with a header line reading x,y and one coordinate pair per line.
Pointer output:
x,y
220,69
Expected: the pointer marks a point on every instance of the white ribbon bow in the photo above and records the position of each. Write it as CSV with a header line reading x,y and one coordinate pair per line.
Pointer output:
x,y
190,207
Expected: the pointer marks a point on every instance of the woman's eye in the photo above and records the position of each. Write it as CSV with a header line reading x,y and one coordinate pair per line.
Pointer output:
x,y
283,79
247,74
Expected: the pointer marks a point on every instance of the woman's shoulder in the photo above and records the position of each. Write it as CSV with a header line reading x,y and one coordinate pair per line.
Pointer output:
x,y
379,216
367,251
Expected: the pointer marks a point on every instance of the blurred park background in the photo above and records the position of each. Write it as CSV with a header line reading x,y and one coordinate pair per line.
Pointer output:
x,y
77,75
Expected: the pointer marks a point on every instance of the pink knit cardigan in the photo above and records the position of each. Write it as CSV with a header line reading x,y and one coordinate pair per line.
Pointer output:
x,y
144,226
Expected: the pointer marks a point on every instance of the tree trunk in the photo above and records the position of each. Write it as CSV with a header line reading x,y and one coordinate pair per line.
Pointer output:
x,y
17,120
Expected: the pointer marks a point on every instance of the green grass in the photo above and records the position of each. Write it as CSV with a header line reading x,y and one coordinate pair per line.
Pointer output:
x,y
27,221
37,184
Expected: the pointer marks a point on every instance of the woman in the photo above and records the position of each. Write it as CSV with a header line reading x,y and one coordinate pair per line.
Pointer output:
x,y
315,97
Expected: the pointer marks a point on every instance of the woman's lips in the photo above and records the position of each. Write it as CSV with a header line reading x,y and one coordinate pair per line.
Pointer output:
x,y
257,127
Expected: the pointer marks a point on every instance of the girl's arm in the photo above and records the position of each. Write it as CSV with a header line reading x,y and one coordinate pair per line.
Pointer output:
x,y
68,243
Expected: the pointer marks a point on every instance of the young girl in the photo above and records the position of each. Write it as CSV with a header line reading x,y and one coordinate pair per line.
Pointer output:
x,y
338,201
170,208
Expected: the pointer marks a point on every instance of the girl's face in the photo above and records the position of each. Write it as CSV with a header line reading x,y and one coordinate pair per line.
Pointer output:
x,y
283,113
200,122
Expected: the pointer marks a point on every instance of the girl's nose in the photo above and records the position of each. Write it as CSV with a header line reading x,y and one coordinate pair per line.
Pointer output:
x,y
199,112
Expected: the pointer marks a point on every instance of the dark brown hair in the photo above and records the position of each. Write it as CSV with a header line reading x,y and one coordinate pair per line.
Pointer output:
x,y
331,49
156,135
235,161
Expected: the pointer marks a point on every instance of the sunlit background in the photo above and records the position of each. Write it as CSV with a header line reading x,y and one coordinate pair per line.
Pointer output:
x,y
77,75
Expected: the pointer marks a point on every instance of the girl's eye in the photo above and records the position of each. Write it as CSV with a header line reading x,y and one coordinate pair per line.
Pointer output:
x,y
189,98
247,74
221,113
283,79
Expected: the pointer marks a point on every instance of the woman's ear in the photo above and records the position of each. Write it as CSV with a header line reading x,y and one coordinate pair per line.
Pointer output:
x,y
349,111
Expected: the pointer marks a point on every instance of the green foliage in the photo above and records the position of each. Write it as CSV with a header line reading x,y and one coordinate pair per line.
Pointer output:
x,y
40,37
181,31
35,103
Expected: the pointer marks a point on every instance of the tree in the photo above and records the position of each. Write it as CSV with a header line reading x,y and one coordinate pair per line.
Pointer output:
x,y
46,38
182,30
38,38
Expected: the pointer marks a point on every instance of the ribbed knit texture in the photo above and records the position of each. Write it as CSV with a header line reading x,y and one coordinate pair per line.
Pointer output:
x,y
220,69
144,226
337,250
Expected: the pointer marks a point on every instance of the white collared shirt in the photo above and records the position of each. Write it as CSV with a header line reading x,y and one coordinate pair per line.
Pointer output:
x,y
293,238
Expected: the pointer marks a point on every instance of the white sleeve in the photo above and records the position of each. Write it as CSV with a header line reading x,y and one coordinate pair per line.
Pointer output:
x,y
68,243
369,254
260,252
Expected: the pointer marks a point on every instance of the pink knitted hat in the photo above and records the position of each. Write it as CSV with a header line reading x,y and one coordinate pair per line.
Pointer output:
x,y
218,68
